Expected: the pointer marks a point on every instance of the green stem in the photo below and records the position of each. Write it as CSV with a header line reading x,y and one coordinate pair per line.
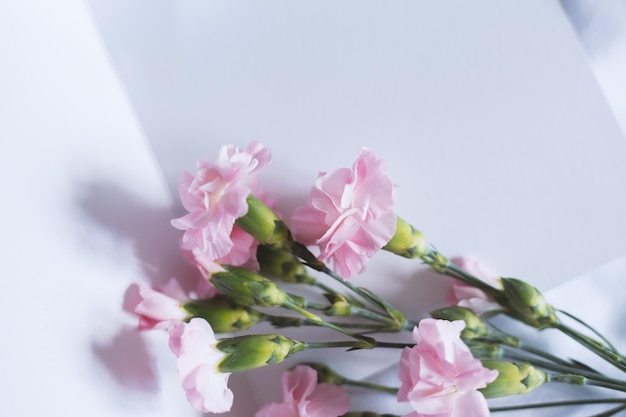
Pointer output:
x,y
354,345
348,285
614,358
365,342
574,379
559,404
597,333
610,412
324,287
369,314
570,370
371,385
288,321
455,272
545,355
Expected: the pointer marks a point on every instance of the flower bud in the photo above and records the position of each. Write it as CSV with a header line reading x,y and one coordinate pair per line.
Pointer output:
x,y
407,241
248,288
367,414
254,351
474,326
527,304
485,350
340,305
282,266
513,378
224,314
264,225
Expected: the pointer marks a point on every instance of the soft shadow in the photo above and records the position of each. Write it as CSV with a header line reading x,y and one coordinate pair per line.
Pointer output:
x,y
128,361
146,227
421,291
143,228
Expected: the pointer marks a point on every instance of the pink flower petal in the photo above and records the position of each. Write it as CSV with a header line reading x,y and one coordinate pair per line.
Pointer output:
x,y
439,374
304,397
206,388
468,296
349,215
157,307
216,196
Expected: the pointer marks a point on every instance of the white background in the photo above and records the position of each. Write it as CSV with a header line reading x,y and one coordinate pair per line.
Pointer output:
x,y
488,115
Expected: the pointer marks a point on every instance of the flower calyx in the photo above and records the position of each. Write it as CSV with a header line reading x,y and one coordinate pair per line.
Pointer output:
x,y
254,351
407,241
224,314
248,287
527,304
513,378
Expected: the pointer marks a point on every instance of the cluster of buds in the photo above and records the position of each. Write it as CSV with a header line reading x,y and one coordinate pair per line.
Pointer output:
x,y
513,378
254,351
458,357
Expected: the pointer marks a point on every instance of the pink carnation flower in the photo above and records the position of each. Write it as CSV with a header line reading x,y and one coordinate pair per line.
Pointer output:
x,y
304,397
216,196
194,345
349,215
439,375
157,308
468,296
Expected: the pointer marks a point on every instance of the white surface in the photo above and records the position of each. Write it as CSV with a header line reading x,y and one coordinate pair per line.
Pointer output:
x,y
513,157
85,213
601,26
494,128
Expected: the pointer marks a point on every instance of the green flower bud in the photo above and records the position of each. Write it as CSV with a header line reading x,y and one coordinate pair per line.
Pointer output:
x,y
474,326
367,414
437,261
485,350
513,378
248,288
340,305
407,241
527,304
264,225
253,351
223,313
282,266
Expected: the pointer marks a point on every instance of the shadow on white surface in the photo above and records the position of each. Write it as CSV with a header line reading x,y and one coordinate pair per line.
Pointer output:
x,y
127,358
123,215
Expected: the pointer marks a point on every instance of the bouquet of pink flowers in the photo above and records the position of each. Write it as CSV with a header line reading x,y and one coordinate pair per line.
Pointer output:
x,y
248,255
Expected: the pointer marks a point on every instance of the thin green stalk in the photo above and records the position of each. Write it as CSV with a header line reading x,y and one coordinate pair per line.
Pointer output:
x,y
574,379
570,370
288,321
351,287
610,412
543,354
324,287
584,324
567,403
593,345
354,345
365,341
372,386
369,314
455,272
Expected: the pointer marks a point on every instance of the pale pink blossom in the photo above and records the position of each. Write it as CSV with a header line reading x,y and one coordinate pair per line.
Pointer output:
x,y
439,375
206,388
468,296
158,307
349,215
216,196
304,397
